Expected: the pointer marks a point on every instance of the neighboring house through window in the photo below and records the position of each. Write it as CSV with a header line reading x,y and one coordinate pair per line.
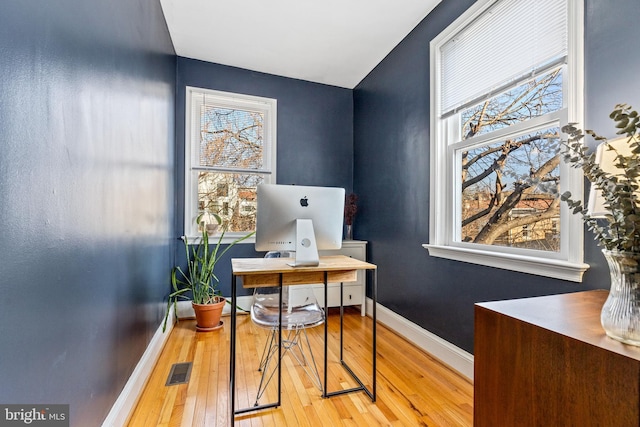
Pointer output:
x,y
505,77
230,148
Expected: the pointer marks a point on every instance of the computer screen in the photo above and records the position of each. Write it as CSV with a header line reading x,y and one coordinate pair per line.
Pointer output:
x,y
300,219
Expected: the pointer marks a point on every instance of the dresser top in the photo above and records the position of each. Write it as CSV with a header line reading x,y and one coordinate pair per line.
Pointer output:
x,y
575,315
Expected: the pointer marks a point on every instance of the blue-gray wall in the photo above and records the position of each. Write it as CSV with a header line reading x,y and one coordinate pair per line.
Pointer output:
x,y
92,134
87,104
315,132
391,172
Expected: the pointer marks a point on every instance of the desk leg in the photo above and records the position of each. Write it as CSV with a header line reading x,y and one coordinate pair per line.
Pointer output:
x,y
256,407
374,295
341,322
326,333
232,364
361,387
280,345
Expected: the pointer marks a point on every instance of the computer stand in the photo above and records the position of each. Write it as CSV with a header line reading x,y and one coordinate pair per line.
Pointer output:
x,y
306,249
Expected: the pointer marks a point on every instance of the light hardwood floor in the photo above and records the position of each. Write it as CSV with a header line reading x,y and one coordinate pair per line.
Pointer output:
x,y
413,389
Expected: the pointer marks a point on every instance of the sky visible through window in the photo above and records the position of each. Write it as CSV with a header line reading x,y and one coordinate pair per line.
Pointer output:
x,y
509,186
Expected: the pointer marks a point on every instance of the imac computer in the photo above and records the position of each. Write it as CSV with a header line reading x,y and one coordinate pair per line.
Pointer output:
x,y
299,219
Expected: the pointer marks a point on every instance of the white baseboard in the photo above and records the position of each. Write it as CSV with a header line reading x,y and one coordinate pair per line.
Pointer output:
x,y
128,399
185,310
452,356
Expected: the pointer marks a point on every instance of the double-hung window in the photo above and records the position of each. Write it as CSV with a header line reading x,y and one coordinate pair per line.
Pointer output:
x,y
505,77
230,148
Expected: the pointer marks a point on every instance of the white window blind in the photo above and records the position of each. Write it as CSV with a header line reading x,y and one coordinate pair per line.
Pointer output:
x,y
240,110
512,39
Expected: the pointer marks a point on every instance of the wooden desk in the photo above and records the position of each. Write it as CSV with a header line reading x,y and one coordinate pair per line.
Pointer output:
x,y
546,361
266,272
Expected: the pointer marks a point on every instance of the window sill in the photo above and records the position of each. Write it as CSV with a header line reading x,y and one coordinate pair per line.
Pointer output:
x,y
524,264
194,240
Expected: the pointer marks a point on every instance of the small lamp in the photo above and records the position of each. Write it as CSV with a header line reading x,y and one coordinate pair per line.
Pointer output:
x,y
606,158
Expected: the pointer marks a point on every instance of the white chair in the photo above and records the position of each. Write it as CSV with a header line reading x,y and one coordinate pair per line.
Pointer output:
x,y
300,311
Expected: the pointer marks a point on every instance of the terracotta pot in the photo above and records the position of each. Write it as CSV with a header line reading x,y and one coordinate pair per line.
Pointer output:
x,y
208,315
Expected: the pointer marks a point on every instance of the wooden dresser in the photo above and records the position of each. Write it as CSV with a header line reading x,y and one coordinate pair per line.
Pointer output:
x,y
546,361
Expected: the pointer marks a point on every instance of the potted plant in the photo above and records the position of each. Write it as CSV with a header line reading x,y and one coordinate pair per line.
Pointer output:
x,y
200,279
619,233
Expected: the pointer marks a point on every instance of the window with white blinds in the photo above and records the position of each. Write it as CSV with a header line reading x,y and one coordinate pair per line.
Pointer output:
x,y
230,148
510,40
505,77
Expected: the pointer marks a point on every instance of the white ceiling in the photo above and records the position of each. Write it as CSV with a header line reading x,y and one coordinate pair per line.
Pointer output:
x,y
336,42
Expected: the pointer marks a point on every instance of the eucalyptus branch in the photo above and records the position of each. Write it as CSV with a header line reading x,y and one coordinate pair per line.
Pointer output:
x,y
621,230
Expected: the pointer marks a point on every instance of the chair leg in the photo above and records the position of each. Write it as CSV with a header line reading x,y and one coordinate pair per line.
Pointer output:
x,y
269,353
269,345
289,342
270,349
311,369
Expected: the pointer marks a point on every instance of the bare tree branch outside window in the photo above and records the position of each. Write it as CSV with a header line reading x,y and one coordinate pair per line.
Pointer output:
x,y
231,141
509,190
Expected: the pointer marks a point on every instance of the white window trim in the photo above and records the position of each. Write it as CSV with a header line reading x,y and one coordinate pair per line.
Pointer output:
x,y
571,267
232,100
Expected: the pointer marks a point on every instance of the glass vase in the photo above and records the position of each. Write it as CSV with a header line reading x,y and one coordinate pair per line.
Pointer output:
x,y
620,315
349,233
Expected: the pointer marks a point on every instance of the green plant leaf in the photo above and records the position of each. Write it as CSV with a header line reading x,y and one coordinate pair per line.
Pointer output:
x,y
619,190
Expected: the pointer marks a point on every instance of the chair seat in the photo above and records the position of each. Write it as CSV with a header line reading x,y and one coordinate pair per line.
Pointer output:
x,y
265,314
